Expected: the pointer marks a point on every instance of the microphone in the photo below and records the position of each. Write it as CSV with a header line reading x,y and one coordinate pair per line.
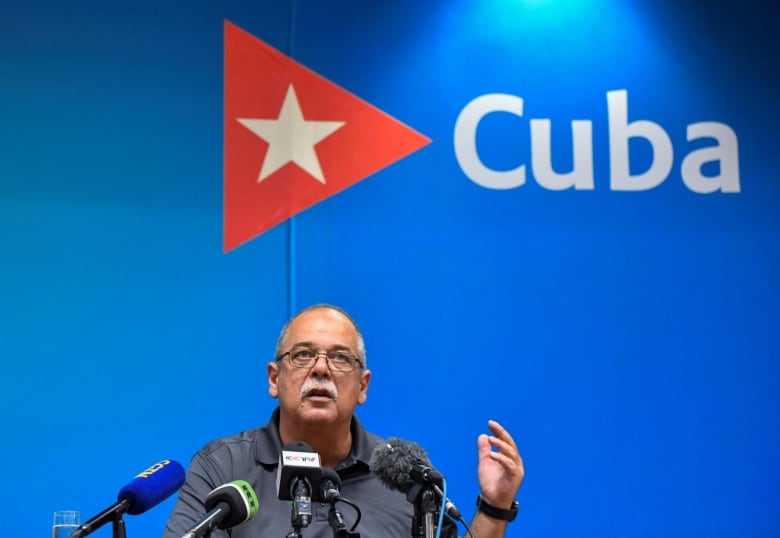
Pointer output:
x,y
298,479
227,506
148,489
400,465
297,463
330,492
330,485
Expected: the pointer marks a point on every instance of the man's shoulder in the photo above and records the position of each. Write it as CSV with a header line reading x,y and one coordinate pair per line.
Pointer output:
x,y
374,439
245,440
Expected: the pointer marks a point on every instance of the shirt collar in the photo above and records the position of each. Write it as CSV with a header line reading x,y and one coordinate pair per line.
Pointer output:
x,y
269,444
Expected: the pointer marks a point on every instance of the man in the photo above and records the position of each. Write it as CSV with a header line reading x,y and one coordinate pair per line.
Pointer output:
x,y
319,377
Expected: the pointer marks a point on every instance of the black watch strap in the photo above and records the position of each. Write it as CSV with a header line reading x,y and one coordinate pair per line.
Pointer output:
x,y
498,513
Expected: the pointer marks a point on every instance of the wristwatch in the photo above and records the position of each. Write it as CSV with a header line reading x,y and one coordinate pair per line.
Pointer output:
x,y
497,513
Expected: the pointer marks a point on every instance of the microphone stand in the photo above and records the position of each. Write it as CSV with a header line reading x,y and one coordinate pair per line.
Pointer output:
x,y
425,510
295,533
119,527
336,521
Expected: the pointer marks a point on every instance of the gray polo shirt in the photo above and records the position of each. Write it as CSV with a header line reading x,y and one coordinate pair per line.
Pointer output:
x,y
253,456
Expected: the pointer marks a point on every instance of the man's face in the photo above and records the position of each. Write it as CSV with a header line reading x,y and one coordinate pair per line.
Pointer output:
x,y
306,396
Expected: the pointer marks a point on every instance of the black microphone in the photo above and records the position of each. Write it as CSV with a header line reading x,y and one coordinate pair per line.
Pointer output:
x,y
330,491
330,485
148,489
227,506
297,463
401,464
298,479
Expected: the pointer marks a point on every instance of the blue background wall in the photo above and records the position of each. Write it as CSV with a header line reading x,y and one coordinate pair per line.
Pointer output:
x,y
627,339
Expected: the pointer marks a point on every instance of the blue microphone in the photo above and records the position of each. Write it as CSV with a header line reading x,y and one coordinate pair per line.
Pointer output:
x,y
148,489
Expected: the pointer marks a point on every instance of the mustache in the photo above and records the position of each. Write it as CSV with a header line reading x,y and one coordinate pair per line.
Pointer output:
x,y
324,385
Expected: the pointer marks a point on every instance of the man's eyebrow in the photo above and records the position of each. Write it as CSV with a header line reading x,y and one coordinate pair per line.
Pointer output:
x,y
334,347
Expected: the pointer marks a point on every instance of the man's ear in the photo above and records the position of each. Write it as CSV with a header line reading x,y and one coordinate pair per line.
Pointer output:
x,y
365,378
273,376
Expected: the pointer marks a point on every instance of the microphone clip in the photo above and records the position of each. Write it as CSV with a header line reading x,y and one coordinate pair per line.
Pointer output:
x,y
424,474
300,514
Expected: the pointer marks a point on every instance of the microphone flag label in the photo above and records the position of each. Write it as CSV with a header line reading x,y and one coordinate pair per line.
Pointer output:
x,y
293,138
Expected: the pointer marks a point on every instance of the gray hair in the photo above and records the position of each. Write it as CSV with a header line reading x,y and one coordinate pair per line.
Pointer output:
x,y
281,343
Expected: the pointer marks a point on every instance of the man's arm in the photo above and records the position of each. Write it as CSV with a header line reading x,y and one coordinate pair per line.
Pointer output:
x,y
500,474
202,478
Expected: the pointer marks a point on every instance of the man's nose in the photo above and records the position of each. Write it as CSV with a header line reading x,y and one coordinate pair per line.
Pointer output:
x,y
321,366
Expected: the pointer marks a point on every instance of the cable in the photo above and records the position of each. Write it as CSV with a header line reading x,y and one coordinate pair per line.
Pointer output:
x,y
357,511
465,524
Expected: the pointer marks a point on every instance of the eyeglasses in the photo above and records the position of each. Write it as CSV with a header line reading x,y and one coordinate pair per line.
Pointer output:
x,y
304,357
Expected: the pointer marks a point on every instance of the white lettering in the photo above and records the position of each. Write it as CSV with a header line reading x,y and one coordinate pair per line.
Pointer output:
x,y
726,152
465,140
620,131
581,175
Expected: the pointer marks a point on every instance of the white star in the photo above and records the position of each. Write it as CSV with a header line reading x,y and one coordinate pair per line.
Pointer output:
x,y
291,138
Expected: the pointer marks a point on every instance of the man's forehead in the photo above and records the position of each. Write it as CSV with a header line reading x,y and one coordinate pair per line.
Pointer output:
x,y
322,321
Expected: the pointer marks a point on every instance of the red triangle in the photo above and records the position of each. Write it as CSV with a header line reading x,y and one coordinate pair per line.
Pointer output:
x,y
257,78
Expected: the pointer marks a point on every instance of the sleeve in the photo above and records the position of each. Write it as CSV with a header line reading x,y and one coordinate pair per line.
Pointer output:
x,y
203,475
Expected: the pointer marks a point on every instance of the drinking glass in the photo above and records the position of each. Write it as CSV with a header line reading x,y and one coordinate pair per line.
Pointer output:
x,y
65,522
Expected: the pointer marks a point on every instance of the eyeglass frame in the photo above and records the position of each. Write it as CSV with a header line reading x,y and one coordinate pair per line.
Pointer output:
x,y
358,361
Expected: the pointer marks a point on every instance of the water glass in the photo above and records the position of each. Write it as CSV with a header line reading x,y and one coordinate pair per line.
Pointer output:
x,y
65,522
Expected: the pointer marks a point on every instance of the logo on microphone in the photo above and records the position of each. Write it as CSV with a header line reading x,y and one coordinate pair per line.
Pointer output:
x,y
153,469
302,459
293,138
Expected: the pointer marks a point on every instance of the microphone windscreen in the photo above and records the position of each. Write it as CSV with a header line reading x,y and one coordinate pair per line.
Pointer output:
x,y
329,473
241,501
298,446
392,462
152,486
